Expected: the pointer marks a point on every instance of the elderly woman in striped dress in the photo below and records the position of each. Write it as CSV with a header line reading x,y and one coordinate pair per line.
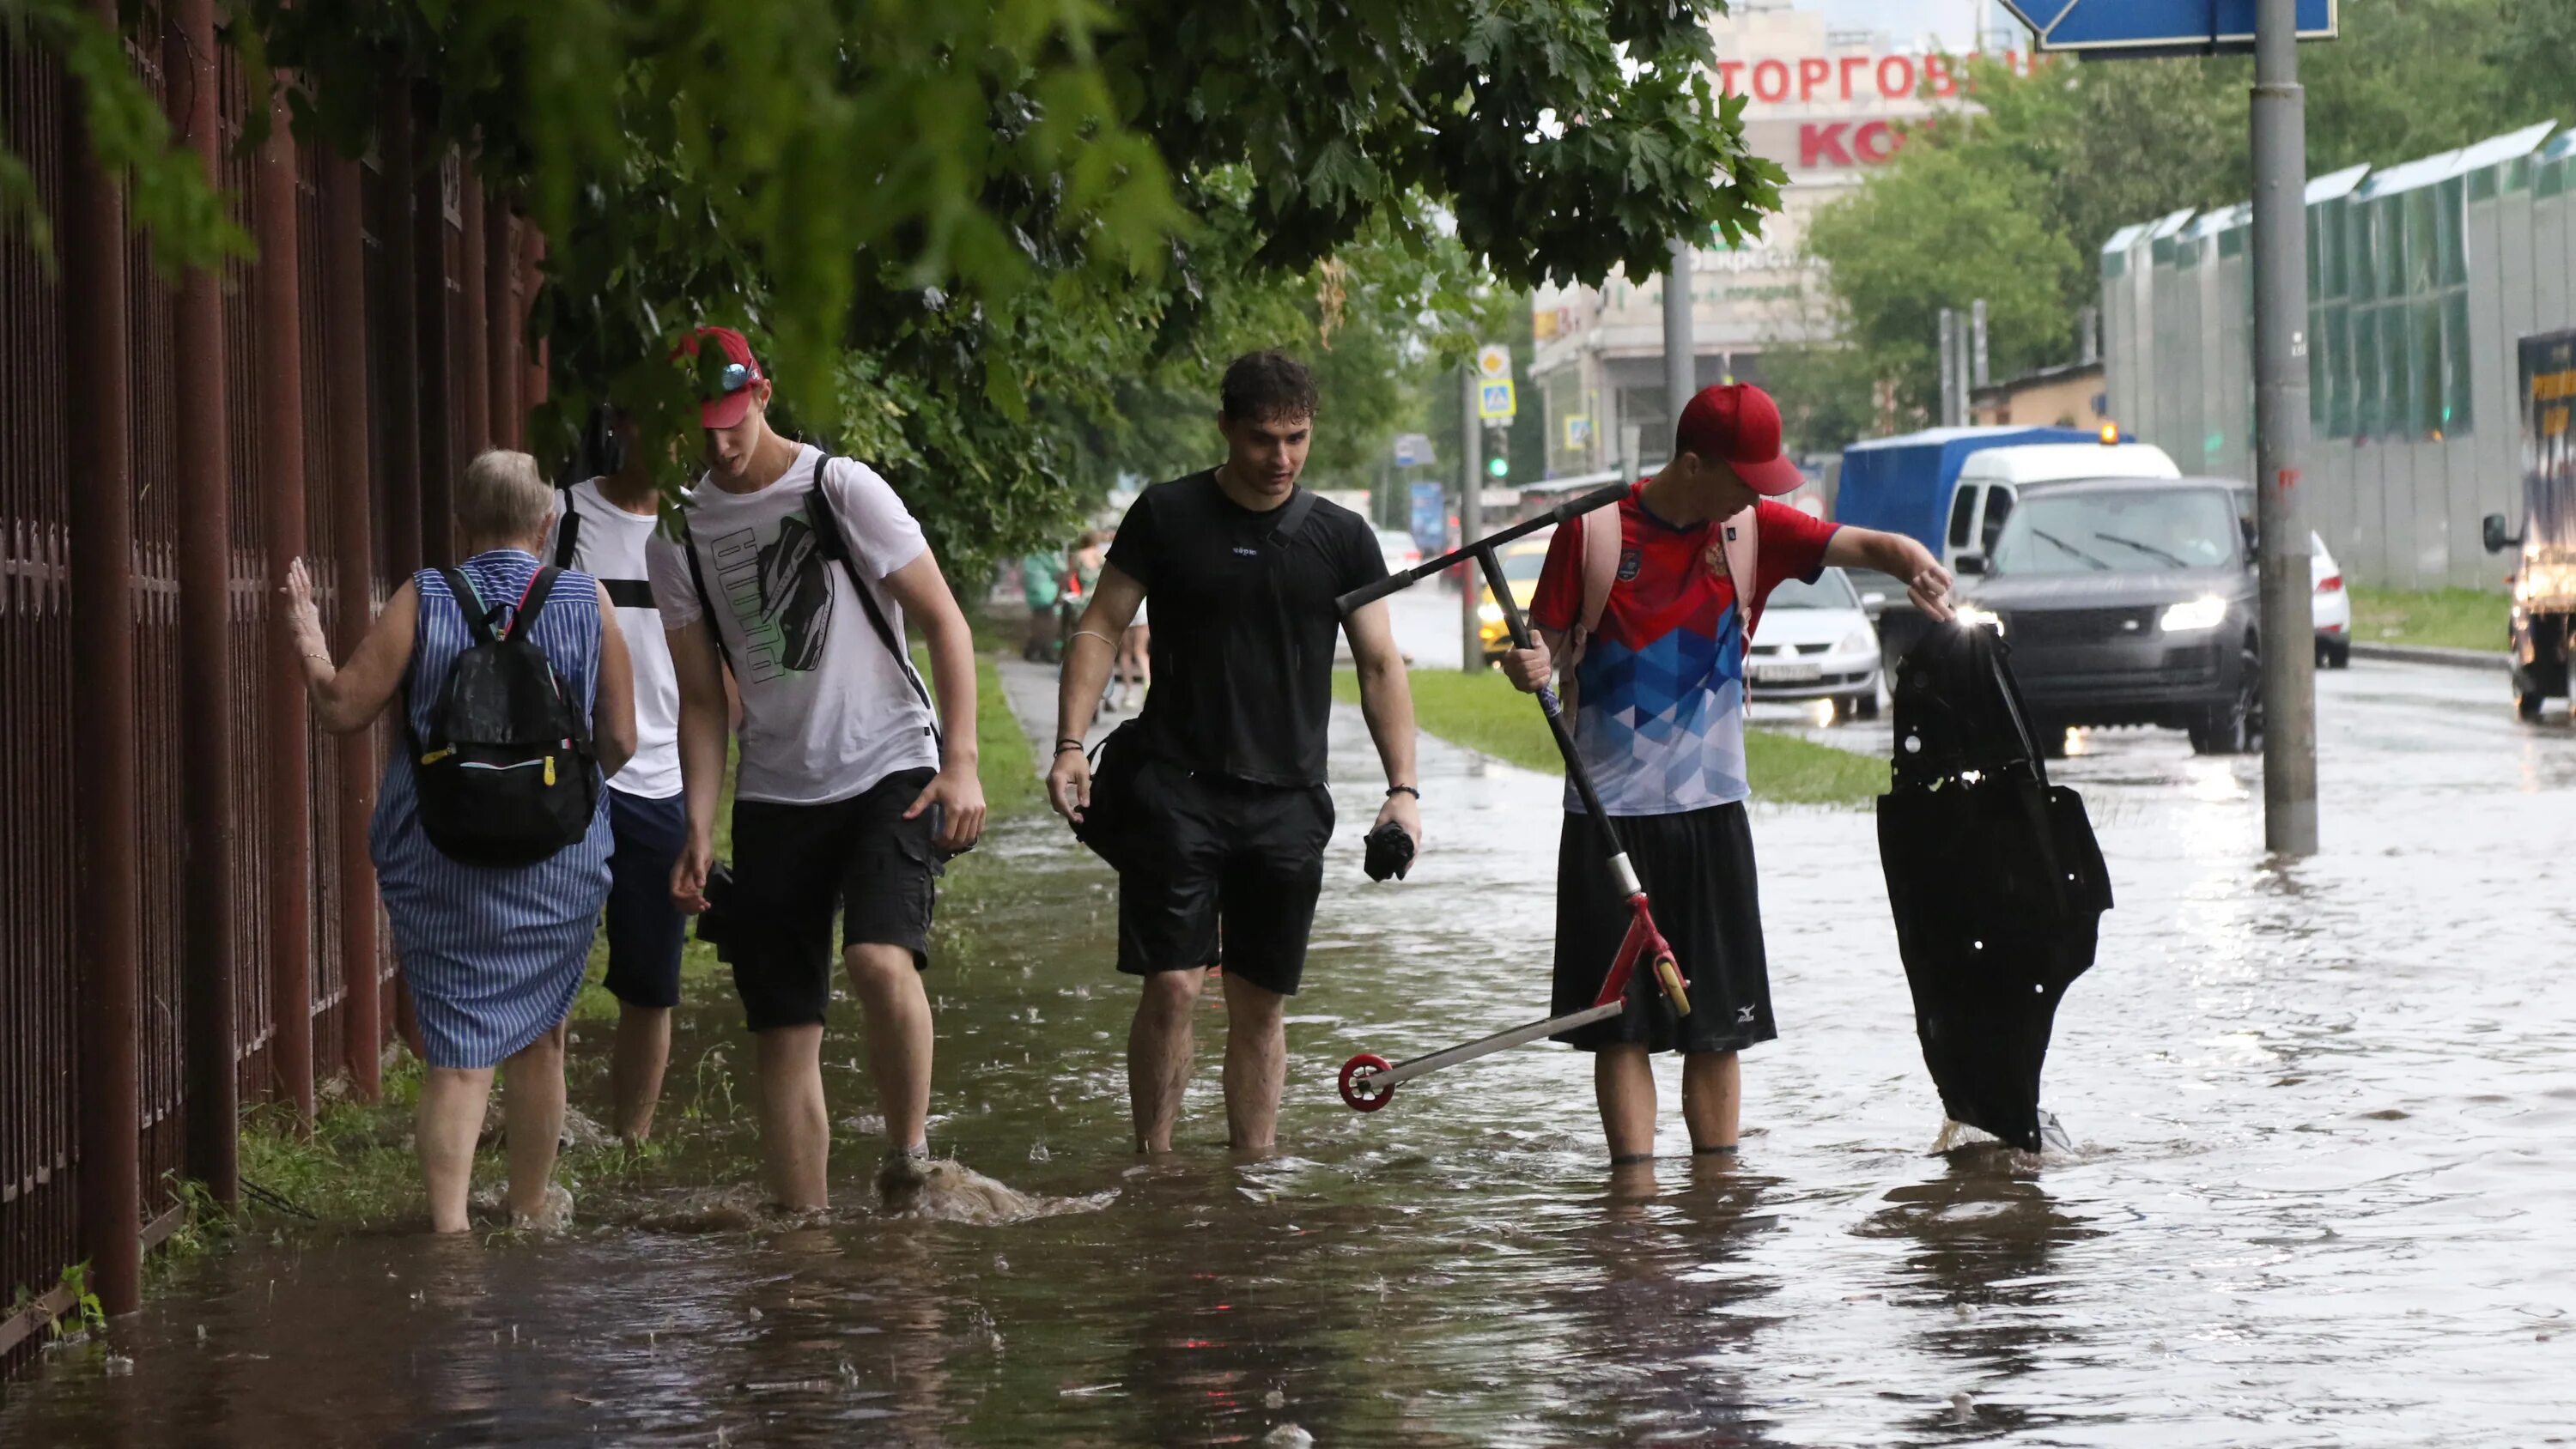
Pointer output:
x,y
492,956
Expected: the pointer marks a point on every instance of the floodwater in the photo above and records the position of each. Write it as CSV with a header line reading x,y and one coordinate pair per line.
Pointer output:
x,y
2319,1194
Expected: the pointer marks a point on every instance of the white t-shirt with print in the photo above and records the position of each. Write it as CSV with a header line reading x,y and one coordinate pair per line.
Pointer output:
x,y
609,545
827,710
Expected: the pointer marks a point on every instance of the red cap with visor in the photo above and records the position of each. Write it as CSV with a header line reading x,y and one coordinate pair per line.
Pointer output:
x,y
725,389
1739,425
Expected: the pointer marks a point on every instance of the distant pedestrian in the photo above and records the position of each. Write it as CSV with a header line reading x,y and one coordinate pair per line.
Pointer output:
x,y
1041,580
602,531
1651,617
1135,660
492,955
1226,797
849,797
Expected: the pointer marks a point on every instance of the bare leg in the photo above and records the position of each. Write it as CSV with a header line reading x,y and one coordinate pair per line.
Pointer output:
x,y
896,1012
532,1112
1623,1077
795,1135
1256,1064
1159,1044
451,1118
1712,1097
635,1067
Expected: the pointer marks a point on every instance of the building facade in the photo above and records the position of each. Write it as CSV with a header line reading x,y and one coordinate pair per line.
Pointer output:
x,y
2422,277
1827,105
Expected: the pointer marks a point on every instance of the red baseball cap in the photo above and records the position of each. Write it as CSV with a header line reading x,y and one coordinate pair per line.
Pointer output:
x,y
1739,425
730,385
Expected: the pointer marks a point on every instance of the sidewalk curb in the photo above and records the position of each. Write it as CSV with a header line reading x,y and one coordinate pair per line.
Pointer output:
x,y
2433,654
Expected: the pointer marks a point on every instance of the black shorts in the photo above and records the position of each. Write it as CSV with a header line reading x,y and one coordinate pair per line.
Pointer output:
x,y
793,863
645,927
1225,856
1697,868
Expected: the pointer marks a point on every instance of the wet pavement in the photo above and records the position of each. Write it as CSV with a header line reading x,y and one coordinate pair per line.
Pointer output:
x,y
2319,1195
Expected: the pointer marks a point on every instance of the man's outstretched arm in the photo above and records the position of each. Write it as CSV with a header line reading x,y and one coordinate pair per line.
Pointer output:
x,y
1926,582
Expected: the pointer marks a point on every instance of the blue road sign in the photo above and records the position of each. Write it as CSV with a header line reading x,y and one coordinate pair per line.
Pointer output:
x,y
2157,27
1430,519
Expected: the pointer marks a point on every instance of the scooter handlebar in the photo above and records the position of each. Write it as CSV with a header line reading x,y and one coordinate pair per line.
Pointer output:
x,y
1570,509
1367,594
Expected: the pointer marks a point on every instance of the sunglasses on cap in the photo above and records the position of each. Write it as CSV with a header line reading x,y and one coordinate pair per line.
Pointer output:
x,y
717,378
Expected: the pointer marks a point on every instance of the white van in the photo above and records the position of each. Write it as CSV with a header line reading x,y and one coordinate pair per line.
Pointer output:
x,y
1990,484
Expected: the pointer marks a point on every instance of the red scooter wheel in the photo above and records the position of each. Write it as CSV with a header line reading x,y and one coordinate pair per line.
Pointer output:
x,y
1356,1092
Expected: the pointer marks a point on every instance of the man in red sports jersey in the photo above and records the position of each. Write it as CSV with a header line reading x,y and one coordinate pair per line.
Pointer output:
x,y
1658,678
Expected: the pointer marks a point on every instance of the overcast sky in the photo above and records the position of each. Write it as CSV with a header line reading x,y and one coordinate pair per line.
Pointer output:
x,y
1953,20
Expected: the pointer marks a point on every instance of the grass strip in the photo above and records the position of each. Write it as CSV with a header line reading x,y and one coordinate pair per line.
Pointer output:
x,y
2448,618
1482,712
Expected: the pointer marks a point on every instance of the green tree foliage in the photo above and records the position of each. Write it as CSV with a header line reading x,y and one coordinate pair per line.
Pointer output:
x,y
973,236
1940,226
2081,148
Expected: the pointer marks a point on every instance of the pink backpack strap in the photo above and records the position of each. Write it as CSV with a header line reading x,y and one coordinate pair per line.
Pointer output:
x,y
1739,544
1600,564
1600,571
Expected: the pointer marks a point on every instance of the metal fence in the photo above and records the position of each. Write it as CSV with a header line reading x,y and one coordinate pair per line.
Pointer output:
x,y
191,919
2421,278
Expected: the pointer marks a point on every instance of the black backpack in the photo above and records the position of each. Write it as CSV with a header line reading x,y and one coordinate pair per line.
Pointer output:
x,y
507,776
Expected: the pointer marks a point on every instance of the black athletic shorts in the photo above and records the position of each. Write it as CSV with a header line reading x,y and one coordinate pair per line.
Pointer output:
x,y
792,864
1223,856
645,927
1697,868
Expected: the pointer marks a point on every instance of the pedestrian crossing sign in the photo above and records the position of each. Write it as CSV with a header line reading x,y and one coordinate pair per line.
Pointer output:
x,y
1494,401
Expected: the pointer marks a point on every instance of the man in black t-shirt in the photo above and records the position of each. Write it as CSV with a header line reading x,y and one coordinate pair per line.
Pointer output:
x,y
1242,567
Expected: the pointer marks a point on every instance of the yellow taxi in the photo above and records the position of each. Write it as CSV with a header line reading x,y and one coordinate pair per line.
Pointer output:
x,y
1521,560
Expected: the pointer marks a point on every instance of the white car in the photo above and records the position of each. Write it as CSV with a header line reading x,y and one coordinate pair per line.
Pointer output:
x,y
2333,607
1401,551
1815,642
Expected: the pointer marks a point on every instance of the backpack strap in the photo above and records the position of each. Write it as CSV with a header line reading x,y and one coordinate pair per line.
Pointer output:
x,y
1739,541
567,533
828,537
1598,534
469,602
706,601
1293,515
532,601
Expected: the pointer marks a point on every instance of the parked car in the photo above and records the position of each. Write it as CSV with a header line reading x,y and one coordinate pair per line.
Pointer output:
x,y
1816,643
1521,560
1401,551
2127,602
2331,606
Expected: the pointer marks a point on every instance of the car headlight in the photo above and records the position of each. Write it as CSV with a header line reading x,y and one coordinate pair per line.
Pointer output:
x,y
2193,615
1489,612
1970,616
1858,641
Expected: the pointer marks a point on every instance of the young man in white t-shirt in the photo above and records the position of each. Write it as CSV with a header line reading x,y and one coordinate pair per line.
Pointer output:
x,y
602,530
848,794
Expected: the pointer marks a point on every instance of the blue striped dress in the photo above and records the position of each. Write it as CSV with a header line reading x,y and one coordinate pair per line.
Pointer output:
x,y
493,956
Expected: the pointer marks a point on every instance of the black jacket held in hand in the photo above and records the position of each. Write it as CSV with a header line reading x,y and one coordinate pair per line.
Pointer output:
x,y
1996,882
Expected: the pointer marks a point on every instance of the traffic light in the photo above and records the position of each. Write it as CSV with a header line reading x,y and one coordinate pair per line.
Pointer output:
x,y
1498,453
1498,466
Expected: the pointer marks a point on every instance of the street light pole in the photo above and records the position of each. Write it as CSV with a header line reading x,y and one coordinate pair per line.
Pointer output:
x,y
1681,350
2281,433
1471,522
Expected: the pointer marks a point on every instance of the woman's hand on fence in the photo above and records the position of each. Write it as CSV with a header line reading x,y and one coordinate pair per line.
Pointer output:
x,y
303,615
